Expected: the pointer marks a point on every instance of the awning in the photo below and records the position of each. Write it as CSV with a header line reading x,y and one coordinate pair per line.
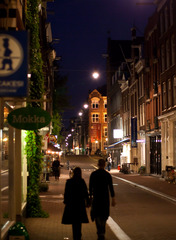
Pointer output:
x,y
117,143
52,148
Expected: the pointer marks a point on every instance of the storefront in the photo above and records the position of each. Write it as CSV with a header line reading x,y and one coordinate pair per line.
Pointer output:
x,y
13,180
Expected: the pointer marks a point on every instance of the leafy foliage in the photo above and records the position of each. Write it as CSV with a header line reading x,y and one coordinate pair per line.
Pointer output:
x,y
34,159
57,126
33,139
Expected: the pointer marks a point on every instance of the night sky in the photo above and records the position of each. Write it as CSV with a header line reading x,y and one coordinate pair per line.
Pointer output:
x,y
83,27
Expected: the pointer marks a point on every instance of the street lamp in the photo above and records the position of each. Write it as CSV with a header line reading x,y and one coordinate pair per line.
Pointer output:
x,y
85,105
95,75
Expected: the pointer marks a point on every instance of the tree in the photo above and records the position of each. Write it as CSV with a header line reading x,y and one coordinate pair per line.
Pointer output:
x,y
60,102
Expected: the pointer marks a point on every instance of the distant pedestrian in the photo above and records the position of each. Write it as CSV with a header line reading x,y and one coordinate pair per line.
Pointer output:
x,y
100,185
90,150
56,168
75,199
109,162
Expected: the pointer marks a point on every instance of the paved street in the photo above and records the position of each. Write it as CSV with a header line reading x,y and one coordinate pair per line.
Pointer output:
x,y
138,215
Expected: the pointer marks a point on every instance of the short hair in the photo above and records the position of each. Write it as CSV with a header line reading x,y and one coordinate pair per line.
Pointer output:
x,y
101,162
77,172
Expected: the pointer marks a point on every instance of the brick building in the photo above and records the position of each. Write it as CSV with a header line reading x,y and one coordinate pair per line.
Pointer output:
x,y
97,136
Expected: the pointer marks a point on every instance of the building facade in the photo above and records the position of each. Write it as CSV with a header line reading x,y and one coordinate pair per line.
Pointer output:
x,y
118,51
98,133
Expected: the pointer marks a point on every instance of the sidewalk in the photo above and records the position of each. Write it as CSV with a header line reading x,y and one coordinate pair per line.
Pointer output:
x,y
51,228
52,202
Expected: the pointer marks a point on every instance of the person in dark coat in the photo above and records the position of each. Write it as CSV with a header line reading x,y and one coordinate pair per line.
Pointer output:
x,y
100,185
75,198
56,168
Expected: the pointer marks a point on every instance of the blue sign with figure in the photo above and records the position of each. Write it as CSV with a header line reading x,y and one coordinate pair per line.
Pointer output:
x,y
13,63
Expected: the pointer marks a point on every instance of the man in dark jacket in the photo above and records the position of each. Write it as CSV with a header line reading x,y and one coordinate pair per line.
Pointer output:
x,y
100,185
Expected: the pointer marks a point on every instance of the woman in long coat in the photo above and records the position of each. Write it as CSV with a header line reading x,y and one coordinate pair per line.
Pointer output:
x,y
75,199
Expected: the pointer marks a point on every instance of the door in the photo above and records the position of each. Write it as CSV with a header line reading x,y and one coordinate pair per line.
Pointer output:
x,y
155,155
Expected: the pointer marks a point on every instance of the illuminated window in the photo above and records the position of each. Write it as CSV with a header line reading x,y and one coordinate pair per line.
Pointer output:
x,y
95,118
105,131
142,114
95,103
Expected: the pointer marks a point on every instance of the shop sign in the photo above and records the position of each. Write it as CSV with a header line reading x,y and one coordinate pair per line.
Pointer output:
x,y
13,63
29,118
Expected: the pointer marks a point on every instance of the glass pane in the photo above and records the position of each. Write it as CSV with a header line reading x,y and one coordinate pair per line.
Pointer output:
x,y
5,177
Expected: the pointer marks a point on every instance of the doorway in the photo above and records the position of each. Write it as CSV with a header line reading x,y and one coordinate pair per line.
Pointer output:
x,y
155,155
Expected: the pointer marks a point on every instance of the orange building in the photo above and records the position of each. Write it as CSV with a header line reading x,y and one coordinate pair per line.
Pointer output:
x,y
98,130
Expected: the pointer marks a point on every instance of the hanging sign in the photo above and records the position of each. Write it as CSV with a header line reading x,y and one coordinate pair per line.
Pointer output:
x,y
13,63
29,118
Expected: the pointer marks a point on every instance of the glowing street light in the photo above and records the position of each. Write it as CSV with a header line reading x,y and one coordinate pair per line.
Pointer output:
x,y
95,75
80,114
86,106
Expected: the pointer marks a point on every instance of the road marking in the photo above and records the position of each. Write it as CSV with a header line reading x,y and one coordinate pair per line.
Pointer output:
x,y
3,189
119,233
94,166
172,199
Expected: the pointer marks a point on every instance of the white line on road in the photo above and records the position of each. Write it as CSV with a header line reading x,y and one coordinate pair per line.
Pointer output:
x,y
119,233
148,189
3,189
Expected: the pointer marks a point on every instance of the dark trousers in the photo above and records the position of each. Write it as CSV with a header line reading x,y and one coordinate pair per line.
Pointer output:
x,y
100,224
76,228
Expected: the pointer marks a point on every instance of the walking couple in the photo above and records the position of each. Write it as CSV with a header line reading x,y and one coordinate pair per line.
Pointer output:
x,y
77,198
